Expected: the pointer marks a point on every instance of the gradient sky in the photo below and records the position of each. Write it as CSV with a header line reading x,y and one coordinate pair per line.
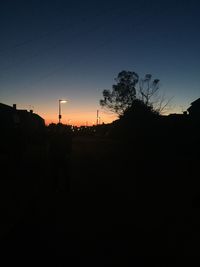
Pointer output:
x,y
52,50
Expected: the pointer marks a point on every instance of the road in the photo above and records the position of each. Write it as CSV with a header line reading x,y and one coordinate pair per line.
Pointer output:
x,y
106,218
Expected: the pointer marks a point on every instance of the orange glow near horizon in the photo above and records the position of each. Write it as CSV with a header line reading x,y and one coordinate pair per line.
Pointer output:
x,y
86,118
79,119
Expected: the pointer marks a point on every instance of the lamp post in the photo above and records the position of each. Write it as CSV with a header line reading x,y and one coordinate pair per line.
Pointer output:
x,y
59,115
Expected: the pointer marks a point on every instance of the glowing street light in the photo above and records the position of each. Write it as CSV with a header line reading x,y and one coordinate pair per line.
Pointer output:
x,y
59,115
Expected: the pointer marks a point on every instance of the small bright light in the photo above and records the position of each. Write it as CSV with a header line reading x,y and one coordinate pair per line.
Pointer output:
x,y
63,101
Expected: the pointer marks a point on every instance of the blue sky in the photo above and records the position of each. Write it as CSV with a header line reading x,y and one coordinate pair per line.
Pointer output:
x,y
74,49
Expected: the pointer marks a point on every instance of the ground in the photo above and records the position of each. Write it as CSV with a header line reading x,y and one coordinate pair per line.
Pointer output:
x,y
111,216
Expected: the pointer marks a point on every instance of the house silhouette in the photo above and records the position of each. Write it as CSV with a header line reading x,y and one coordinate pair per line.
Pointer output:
x,y
12,118
194,109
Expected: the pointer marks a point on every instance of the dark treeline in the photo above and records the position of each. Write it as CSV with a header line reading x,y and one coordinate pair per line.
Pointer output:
x,y
124,194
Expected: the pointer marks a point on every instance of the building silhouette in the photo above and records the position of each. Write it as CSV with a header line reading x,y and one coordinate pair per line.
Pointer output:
x,y
194,109
11,117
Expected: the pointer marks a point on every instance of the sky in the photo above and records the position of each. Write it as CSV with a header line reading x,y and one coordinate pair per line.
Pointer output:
x,y
73,50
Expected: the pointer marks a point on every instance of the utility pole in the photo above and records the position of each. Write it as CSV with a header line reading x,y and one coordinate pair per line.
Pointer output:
x,y
59,111
97,117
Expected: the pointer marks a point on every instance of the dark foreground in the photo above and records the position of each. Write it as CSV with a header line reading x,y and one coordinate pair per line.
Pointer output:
x,y
111,208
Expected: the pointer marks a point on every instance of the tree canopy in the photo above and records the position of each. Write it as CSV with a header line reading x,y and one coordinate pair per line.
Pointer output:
x,y
123,93
128,89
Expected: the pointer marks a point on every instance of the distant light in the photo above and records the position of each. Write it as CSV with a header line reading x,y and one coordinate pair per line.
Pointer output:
x,y
63,101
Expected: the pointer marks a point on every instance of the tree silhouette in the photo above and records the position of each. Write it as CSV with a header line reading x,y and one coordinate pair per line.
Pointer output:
x,y
148,89
140,110
123,93
149,94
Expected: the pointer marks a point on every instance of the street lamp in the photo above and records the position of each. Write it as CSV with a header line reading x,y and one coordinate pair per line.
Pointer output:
x,y
60,101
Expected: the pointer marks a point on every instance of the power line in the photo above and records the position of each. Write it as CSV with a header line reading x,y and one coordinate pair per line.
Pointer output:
x,y
103,44
58,29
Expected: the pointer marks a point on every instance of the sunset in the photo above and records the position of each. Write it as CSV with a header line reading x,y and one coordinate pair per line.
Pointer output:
x,y
100,126
51,50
